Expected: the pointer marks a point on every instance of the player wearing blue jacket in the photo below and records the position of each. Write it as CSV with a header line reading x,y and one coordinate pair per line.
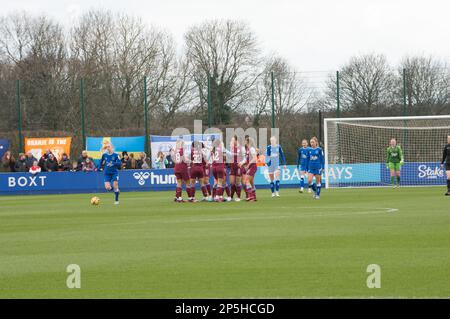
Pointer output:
x,y
111,163
316,163
302,164
274,155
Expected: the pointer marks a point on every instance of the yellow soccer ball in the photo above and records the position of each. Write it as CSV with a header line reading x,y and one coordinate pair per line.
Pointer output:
x,y
95,200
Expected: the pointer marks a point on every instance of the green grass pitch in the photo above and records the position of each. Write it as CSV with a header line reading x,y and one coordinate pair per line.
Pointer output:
x,y
287,247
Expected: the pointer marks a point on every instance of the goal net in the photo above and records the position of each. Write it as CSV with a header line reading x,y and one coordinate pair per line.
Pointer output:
x,y
355,150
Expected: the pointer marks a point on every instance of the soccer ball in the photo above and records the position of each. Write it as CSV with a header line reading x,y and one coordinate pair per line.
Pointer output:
x,y
95,200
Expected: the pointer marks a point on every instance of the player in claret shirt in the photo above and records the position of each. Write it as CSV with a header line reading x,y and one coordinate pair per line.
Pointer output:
x,y
198,169
218,169
180,170
446,162
315,166
250,168
394,161
207,172
111,163
237,154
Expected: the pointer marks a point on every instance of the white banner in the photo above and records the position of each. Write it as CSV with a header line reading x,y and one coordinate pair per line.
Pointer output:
x,y
166,143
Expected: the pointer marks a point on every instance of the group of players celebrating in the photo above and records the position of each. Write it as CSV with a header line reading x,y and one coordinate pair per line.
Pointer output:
x,y
238,164
234,169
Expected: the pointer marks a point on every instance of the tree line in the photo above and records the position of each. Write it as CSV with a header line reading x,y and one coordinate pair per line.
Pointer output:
x,y
112,52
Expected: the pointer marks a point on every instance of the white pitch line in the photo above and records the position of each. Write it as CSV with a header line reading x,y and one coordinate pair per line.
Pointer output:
x,y
388,210
260,217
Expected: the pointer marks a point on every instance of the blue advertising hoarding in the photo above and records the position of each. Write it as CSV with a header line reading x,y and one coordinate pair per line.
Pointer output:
x,y
377,174
288,176
4,146
360,174
83,182
344,175
416,174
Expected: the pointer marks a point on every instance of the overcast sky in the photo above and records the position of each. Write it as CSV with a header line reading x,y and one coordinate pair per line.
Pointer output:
x,y
312,35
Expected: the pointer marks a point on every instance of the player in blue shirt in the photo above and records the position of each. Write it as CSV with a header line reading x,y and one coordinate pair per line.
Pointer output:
x,y
111,163
316,165
273,156
302,164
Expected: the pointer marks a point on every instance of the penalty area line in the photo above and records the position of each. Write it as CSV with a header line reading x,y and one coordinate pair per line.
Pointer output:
x,y
291,215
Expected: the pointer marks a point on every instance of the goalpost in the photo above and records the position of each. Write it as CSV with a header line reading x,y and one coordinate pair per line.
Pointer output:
x,y
355,150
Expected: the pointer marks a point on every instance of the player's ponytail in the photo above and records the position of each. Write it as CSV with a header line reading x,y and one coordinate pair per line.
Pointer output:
x,y
179,144
251,142
236,141
216,143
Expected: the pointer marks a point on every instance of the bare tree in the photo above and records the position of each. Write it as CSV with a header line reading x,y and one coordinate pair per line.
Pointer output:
x,y
115,52
171,85
427,84
36,48
15,37
134,56
227,53
290,93
366,85
179,93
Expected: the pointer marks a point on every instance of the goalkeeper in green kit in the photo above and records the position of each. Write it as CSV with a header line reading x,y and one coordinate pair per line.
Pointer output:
x,y
394,161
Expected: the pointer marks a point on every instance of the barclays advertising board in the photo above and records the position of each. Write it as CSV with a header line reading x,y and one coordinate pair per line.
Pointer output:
x,y
338,174
362,174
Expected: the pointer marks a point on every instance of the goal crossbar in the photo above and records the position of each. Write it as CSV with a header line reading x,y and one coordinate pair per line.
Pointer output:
x,y
386,118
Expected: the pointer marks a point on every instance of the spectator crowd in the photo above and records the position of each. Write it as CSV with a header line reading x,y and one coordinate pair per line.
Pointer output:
x,y
48,162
